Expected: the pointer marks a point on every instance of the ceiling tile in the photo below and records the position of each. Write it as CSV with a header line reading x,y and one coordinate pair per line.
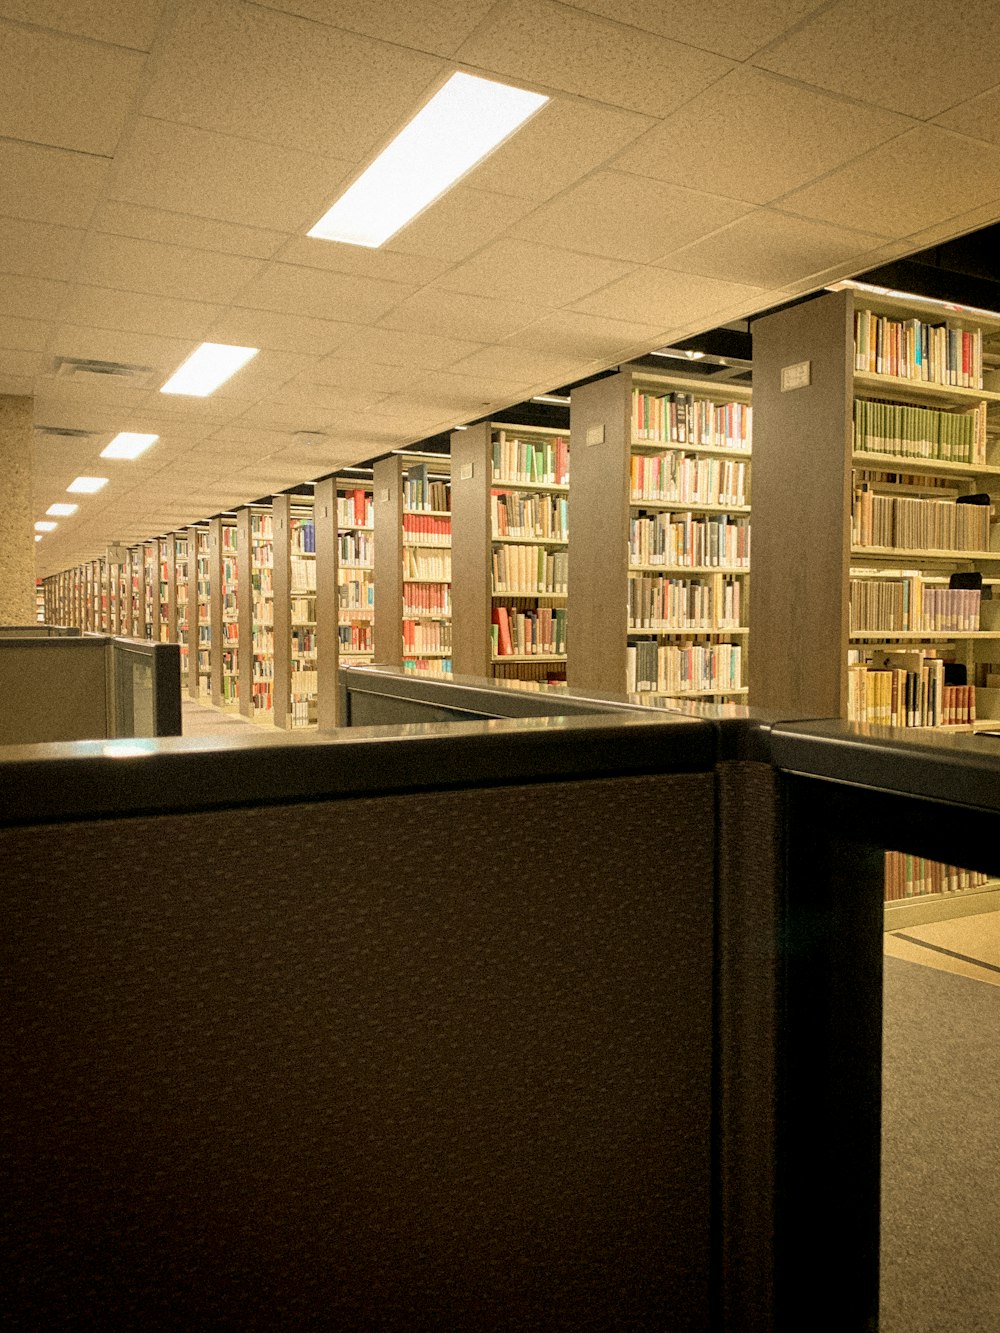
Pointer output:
x,y
914,56
37,249
627,217
925,176
287,417
714,25
744,138
521,270
356,373
93,344
18,386
671,299
770,249
154,224
119,22
49,184
312,252
556,148
293,290
979,117
327,397
63,91
127,264
570,333
19,364
459,223
428,25
519,364
284,333
547,44
31,298
186,170
313,85
393,347
24,335
459,315
454,395
135,312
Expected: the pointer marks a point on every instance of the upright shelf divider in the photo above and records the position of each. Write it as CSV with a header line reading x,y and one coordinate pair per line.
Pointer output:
x,y
245,611
327,603
471,549
215,609
388,559
281,508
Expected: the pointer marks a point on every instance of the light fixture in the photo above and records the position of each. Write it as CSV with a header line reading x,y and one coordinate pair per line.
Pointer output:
x,y
62,510
128,444
44,526
557,399
207,367
464,120
932,302
86,485
38,536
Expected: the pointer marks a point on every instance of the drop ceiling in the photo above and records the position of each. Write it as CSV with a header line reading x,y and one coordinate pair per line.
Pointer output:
x,y
161,163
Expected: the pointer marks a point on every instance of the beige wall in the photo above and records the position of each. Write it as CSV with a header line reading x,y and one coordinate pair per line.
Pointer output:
x,y
17,544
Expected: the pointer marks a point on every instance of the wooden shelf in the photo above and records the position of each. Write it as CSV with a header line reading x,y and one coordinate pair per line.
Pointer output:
x,y
911,635
525,592
412,656
861,458
500,659
555,487
409,580
689,569
918,553
682,506
530,541
688,694
428,513
635,633
671,446
919,391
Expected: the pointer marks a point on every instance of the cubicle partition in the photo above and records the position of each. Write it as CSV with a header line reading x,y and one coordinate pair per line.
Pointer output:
x,y
561,1022
68,686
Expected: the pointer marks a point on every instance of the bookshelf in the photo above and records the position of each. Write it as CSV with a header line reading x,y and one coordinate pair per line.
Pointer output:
x,y
179,542
919,892
355,578
223,611
660,542
136,597
294,603
510,541
150,591
167,589
255,558
412,561
881,466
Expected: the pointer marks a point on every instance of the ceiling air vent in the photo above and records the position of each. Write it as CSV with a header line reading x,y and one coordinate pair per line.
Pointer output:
x,y
65,433
86,371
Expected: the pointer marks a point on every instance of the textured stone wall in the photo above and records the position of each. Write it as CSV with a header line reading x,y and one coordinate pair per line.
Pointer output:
x,y
17,537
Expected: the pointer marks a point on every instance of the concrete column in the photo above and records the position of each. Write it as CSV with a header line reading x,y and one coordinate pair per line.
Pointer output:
x,y
17,536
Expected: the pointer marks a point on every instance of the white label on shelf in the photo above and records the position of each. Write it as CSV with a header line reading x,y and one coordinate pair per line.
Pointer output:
x,y
383,495
798,376
466,471
595,434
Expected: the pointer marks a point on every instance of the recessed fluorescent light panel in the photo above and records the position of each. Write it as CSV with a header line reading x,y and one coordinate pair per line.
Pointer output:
x,y
128,444
44,526
38,536
463,121
207,367
86,485
62,510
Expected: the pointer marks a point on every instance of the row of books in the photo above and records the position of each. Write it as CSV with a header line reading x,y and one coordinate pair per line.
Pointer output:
x,y
907,690
519,514
303,641
914,350
262,581
693,668
356,638
355,509
302,536
421,492
909,876
909,604
685,538
355,548
426,530
426,636
263,639
708,603
920,432
428,666
355,594
419,563
426,599
544,462
263,697
303,610
913,523
688,479
528,633
680,418
303,574
528,570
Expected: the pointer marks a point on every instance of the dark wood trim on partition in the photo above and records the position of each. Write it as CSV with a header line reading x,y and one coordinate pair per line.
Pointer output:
x,y
597,605
281,508
327,605
471,550
799,607
215,609
192,612
244,609
388,559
